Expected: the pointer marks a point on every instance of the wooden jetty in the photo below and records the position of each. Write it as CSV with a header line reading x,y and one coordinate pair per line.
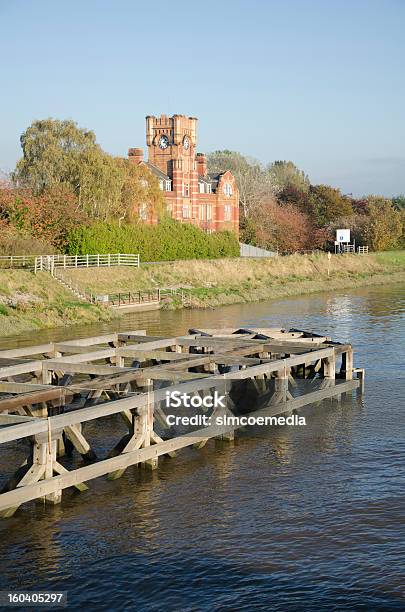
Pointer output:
x,y
49,392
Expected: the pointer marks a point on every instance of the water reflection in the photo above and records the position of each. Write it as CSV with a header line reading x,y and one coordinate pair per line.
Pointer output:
x,y
309,517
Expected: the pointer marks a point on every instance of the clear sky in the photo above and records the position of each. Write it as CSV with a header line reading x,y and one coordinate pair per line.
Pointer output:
x,y
321,83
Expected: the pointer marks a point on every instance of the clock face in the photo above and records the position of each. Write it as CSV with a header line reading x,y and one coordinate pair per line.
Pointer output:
x,y
186,142
163,142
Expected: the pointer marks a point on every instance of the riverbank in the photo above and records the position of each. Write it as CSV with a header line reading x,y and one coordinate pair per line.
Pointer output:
x,y
37,301
212,283
29,302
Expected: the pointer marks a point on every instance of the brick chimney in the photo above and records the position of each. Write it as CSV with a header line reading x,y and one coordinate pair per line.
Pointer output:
x,y
201,164
135,155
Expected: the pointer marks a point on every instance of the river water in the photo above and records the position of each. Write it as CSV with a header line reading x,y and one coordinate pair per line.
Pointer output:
x,y
286,519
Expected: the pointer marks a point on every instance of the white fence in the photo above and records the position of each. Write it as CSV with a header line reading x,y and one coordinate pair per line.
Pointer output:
x,y
247,250
50,262
349,248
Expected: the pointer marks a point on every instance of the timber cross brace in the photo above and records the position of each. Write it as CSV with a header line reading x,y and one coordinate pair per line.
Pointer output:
x,y
48,394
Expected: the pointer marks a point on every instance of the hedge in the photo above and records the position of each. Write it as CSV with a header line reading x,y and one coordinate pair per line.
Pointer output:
x,y
166,241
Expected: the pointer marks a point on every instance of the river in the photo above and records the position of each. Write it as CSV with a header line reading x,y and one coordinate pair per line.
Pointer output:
x,y
286,519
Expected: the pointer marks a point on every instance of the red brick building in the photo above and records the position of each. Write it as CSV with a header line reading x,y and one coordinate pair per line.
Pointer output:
x,y
210,201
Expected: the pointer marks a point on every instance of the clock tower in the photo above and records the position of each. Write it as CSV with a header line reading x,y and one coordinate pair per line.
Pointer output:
x,y
172,139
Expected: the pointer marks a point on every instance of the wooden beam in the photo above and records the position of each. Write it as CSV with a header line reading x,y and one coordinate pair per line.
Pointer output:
x,y
62,394
84,368
95,470
21,368
139,401
26,351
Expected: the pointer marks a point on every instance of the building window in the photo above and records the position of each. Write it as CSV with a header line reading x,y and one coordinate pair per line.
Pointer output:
x,y
186,190
186,211
204,188
165,185
228,189
227,213
209,213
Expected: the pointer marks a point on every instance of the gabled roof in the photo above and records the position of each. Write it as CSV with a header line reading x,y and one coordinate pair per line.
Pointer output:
x,y
157,171
213,178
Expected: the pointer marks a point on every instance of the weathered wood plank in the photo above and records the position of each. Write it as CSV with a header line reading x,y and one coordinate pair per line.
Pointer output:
x,y
21,368
95,470
26,351
139,401
61,394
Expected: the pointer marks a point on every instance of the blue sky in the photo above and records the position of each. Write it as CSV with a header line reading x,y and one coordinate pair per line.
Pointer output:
x,y
321,83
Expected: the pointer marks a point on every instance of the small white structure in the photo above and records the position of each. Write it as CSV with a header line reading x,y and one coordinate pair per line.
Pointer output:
x,y
342,242
343,235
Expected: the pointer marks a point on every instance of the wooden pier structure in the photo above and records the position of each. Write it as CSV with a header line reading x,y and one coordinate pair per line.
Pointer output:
x,y
49,393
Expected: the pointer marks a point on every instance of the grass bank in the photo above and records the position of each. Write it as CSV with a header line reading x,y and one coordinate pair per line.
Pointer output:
x,y
211,283
29,302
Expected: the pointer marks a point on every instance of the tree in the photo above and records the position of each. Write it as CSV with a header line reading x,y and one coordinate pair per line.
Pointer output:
x,y
285,228
296,197
385,225
399,202
254,183
47,217
53,152
329,204
285,174
60,154
141,194
101,180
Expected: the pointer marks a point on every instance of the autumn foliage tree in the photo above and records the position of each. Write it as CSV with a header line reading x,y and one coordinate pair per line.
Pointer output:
x,y
60,154
285,228
53,152
328,204
48,217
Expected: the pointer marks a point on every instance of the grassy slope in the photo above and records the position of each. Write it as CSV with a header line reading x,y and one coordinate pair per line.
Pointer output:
x,y
29,301
227,281
36,302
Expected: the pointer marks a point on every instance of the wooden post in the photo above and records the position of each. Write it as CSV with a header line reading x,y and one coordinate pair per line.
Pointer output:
x,y
46,374
360,373
347,364
280,386
329,367
150,464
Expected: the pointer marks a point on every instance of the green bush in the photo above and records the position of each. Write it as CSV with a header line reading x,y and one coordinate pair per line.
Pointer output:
x,y
166,241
